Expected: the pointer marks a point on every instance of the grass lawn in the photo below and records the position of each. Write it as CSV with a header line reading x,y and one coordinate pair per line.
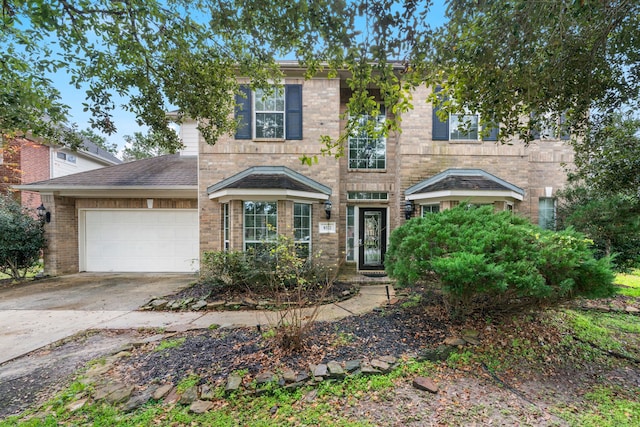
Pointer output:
x,y
630,283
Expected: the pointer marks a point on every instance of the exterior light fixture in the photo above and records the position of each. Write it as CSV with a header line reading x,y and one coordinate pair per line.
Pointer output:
x,y
43,214
327,208
149,203
408,209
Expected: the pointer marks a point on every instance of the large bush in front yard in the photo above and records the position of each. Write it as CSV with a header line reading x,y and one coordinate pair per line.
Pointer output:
x,y
21,238
487,260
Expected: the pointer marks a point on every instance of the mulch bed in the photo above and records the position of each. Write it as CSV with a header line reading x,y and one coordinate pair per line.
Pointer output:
x,y
214,354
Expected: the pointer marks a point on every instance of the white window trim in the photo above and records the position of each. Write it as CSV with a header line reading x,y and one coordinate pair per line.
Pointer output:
x,y
244,224
465,113
381,119
255,112
310,228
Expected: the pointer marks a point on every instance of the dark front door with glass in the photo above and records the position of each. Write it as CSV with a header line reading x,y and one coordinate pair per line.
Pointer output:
x,y
373,238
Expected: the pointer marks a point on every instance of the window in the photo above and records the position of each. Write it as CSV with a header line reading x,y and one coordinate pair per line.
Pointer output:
x,y
366,195
351,228
367,151
70,158
429,209
302,229
269,114
546,126
463,127
547,213
225,226
260,223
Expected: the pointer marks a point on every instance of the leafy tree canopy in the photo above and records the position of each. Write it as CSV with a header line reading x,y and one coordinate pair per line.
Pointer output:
x,y
142,146
504,59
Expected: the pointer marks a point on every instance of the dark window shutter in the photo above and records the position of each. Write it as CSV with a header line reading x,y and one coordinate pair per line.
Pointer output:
x,y
492,136
293,105
535,134
564,132
243,113
440,129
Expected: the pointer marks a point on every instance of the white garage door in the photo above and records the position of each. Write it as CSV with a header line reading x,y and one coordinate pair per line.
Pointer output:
x,y
140,240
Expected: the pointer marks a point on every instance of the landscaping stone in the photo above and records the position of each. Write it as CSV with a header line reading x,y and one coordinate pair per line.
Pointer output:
x,y
77,405
426,384
266,377
470,333
101,392
335,369
250,302
233,304
207,393
454,341
233,383
437,354
120,395
320,370
289,376
215,304
172,397
137,401
389,359
199,305
200,406
352,365
189,396
161,391
302,377
472,340
159,303
368,369
631,309
380,365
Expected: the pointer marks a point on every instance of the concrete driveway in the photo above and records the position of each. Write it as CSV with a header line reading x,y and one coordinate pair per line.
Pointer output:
x,y
43,312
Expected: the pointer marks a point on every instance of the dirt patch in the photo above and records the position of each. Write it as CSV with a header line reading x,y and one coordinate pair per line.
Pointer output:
x,y
33,378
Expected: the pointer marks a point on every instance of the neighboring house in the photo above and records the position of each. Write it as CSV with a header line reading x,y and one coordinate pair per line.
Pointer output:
x,y
24,161
161,214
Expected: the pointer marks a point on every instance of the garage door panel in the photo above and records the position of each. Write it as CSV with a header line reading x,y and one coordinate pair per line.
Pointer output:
x,y
141,241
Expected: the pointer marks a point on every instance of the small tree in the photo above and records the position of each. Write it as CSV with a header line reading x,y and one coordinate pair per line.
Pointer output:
x,y
611,220
21,238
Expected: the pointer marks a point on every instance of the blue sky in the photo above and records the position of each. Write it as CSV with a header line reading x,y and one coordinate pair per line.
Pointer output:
x,y
126,121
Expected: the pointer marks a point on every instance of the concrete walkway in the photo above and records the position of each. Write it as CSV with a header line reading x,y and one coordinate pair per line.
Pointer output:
x,y
26,330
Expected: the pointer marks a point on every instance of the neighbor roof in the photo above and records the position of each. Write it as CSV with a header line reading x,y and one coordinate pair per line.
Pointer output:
x,y
169,172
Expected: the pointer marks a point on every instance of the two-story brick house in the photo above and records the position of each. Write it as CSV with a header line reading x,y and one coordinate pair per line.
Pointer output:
x,y
249,186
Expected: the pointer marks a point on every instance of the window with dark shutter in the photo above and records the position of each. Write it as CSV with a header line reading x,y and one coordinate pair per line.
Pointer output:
x,y
243,113
293,100
440,129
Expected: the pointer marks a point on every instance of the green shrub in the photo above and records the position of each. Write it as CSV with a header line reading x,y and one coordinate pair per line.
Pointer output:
x,y
487,260
21,238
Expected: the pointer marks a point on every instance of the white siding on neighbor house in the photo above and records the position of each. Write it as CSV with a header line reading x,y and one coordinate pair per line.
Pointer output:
x,y
83,163
138,240
190,138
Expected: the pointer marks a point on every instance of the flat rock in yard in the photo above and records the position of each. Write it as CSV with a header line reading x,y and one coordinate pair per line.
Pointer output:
x,y
199,305
207,393
233,383
389,359
120,395
159,303
380,365
311,396
302,376
161,391
103,391
249,302
215,304
368,369
232,304
289,376
472,340
200,406
470,333
352,365
189,396
454,341
137,401
172,397
335,369
631,309
426,384
320,370
437,354
266,377
78,404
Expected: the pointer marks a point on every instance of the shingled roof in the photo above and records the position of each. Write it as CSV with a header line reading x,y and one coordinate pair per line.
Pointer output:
x,y
169,171
260,178
463,180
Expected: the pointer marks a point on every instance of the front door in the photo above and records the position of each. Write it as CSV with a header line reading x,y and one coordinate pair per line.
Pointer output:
x,y
373,238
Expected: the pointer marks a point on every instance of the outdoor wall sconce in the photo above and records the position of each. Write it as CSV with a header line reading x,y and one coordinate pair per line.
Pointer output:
x,y
43,214
408,209
149,203
327,208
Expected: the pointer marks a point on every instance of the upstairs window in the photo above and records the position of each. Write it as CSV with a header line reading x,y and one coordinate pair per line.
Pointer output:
x,y
69,158
463,127
459,127
366,149
269,114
